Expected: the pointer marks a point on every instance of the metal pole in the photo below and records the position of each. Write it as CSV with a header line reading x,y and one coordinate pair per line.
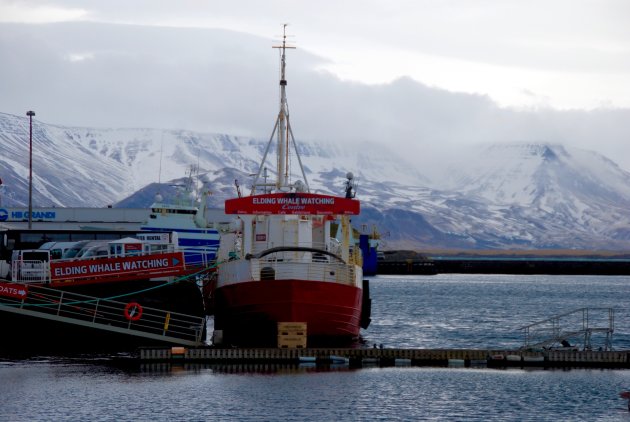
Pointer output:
x,y
30,115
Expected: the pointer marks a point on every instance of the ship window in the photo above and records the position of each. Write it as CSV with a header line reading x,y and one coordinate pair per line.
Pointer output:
x,y
171,211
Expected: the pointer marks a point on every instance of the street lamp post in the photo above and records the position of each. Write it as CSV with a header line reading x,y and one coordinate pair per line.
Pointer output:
x,y
30,115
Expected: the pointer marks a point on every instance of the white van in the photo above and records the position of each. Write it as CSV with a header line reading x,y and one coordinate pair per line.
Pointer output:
x,y
94,251
57,249
80,248
30,265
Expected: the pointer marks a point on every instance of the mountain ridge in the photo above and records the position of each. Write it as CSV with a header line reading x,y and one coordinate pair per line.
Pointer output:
x,y
501,196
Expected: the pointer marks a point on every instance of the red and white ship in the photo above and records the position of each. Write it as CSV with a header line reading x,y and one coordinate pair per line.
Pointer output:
x,y
288,266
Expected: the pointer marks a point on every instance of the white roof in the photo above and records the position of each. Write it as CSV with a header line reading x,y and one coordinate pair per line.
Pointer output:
x,y
125,240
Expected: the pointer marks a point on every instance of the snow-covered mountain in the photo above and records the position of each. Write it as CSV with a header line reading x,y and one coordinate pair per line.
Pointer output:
x,y
499,196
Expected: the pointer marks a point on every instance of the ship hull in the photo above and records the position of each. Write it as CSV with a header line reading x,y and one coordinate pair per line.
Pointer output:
x,y
95,317
247,313
183,297
32,336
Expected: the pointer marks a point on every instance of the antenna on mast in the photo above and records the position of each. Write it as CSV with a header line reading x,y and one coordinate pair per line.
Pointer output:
x,y
283,118
283,130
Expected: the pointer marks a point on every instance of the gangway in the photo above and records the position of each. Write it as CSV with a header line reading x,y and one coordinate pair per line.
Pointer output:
x,y
151,324
580,324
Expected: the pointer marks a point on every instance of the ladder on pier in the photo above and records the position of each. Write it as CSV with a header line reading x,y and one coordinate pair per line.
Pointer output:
x,y
102,314
579,324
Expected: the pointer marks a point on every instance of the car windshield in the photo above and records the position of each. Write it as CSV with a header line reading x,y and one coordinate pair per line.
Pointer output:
x,y
72,252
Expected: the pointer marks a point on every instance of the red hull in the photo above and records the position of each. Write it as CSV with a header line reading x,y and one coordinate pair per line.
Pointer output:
x,y
248,312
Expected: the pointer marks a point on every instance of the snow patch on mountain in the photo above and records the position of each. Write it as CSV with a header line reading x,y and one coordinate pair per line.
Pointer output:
x,y
499,196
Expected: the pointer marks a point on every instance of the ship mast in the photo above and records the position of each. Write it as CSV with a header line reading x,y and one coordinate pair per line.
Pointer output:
x,y
283,118
284,134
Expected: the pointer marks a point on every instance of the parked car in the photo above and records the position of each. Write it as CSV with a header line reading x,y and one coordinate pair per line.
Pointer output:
x,y
30,265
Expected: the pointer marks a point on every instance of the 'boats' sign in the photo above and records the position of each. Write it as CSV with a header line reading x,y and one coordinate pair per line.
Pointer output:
x,y
292,203
13,290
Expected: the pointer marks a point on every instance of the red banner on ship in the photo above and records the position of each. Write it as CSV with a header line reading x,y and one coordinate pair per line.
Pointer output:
x,y
13,290
293,203
153,265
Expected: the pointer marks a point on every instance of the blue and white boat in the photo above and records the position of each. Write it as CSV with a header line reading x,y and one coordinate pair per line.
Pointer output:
x,y
196,237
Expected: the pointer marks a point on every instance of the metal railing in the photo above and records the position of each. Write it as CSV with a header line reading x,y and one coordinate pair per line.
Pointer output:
x,y
330,246
108,314
199,256
272,269
30,271
579,324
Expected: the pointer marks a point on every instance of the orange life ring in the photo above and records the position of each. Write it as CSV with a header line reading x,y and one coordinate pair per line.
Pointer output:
x,y
133,311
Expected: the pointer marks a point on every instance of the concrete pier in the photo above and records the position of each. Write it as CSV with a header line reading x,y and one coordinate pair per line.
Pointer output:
x,y
393,357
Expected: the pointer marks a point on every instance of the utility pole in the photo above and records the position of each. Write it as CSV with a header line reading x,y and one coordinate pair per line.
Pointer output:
x,y
30,115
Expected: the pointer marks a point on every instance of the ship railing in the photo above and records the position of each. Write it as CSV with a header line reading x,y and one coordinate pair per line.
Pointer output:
x,y
199,256
30,271
88,311
163,248
93,258
329,247
274,269
336,272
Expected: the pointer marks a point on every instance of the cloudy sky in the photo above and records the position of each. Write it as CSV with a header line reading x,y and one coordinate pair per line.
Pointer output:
x,y
411,73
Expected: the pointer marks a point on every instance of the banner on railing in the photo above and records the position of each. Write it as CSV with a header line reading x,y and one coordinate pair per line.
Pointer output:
x,y
13,290
153,265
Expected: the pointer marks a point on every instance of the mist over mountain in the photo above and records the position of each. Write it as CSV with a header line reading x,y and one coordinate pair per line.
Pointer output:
x,y
524,195
212,80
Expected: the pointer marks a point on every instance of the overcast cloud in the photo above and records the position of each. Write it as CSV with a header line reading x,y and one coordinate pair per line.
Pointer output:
x,y
419,75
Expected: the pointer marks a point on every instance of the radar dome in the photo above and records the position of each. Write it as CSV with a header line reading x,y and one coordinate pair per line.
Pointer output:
x,y
299,186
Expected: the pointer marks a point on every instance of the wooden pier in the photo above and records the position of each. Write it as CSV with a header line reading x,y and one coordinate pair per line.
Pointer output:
x,y
391,357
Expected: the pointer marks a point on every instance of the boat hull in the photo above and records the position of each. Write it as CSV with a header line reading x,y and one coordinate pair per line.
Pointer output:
x,y
28,334
183,297
32,336
247,313
95,317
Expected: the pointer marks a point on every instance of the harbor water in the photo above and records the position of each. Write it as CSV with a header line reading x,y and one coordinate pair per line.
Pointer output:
x,y
442,311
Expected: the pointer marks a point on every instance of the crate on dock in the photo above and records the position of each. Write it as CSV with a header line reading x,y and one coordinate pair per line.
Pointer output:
x,y
292,328
178,352
292,341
